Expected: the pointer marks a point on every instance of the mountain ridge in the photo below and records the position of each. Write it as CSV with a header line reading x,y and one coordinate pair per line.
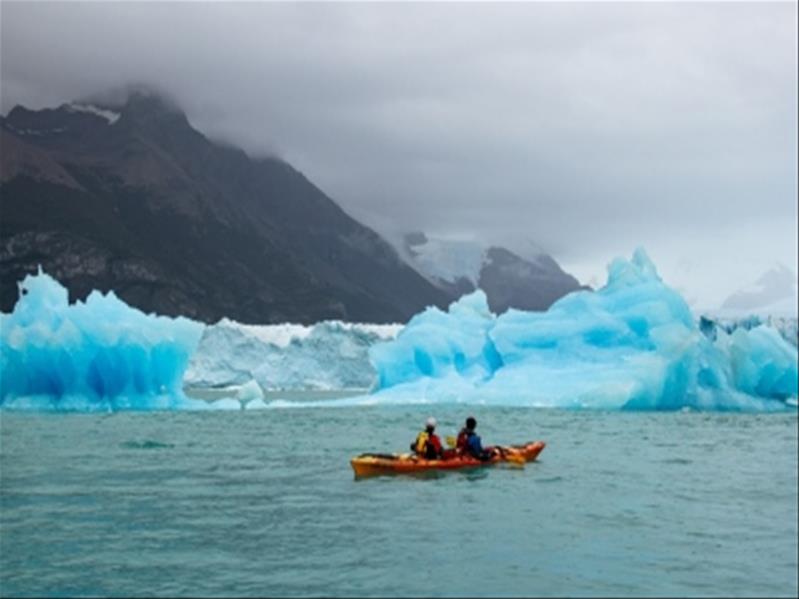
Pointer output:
x,y
148,206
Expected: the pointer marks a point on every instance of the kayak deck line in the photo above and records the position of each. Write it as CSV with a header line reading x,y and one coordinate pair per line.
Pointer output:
x,y
375,464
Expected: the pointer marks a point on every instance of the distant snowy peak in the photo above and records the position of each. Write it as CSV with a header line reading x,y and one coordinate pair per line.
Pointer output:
x,y
774,293
460,266
109,115
447,260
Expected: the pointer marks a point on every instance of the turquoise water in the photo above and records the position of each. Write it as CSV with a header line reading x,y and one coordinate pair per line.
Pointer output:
x,y
264,503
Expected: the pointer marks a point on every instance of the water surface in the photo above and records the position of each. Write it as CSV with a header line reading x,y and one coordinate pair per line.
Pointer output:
x,y
264,503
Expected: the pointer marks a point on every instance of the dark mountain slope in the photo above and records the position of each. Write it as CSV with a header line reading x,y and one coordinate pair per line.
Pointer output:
x,y
133,198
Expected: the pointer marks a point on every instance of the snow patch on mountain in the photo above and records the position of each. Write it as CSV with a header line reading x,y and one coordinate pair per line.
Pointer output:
x,y
109,115
449,259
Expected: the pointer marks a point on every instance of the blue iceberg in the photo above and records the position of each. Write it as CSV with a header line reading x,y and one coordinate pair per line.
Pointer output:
x,y
97,355
633,344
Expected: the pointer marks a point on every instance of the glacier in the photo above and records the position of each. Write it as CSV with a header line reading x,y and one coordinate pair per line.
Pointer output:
x,y
329,355
633,344
787,326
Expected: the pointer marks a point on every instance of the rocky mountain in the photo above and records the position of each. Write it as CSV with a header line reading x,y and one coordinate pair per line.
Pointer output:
x,y
509,281
129,196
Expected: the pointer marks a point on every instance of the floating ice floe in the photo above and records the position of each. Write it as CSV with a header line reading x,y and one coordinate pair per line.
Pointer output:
x,y
97,355
633,344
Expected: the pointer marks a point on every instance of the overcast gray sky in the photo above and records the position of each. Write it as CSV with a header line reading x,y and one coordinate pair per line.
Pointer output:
x,y
588,129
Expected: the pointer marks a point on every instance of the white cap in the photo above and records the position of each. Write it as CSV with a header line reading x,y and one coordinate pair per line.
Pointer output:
x,y
431,422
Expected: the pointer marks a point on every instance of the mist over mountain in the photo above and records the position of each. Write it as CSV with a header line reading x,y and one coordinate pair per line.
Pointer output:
x,y
126,195
773,293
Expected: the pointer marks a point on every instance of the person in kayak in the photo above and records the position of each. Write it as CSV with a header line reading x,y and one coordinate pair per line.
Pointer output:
x,y
469,442
427,443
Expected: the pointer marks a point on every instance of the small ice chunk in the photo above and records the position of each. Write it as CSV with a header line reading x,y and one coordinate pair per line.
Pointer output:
x,y
249,391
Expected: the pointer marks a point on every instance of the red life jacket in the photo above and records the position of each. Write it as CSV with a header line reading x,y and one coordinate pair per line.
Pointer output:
x,y
435,442
463,439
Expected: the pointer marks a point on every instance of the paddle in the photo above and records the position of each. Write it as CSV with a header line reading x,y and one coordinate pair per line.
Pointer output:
x,y
515,458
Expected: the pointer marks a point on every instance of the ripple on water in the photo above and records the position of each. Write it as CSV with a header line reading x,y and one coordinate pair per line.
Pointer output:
x,y
146,444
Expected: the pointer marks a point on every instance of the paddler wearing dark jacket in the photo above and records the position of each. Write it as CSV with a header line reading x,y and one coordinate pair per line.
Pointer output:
x,y
469,442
